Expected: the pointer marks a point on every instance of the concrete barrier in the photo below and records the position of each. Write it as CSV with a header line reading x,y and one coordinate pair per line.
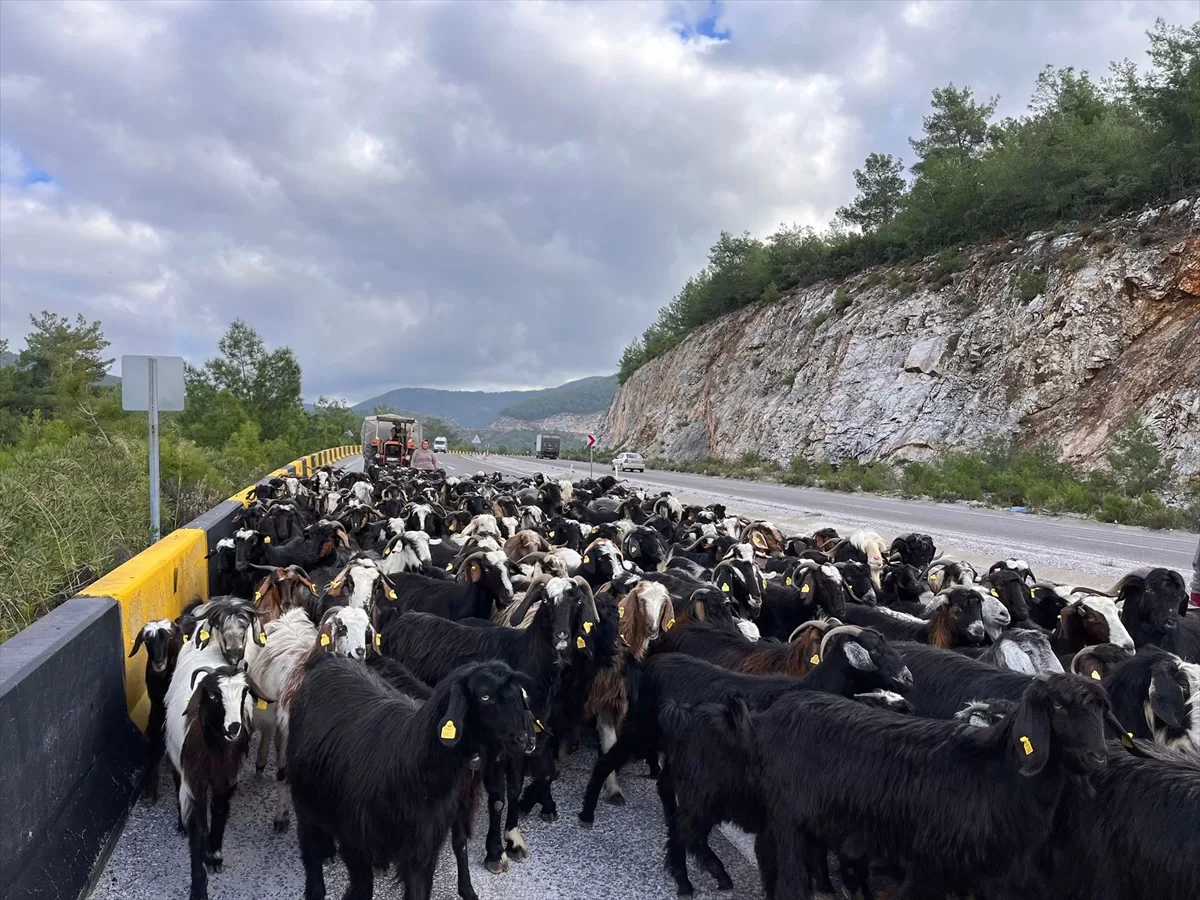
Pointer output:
x,y
70,759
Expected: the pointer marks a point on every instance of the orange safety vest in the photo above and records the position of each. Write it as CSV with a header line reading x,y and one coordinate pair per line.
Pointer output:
x,y
411,445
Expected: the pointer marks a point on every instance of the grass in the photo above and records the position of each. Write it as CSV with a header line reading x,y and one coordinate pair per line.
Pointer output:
x,y
1029,285
77,506
997,475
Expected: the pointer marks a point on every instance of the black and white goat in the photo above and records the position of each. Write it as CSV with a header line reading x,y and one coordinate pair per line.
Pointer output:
x,y
1156,695
208,707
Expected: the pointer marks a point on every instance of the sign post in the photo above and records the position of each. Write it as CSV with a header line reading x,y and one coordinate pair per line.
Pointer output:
x,y
152,383
591,454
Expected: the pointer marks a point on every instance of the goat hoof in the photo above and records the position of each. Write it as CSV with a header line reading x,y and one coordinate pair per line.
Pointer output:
x,y
280,825
725,884
214,861
685,890
586,821
617,799
258,770
468,895
498,866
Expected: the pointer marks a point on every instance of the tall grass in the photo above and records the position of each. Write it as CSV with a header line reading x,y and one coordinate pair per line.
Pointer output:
x,y
72,507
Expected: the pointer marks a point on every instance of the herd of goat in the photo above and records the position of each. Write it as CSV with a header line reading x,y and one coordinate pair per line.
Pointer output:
x,y
410,641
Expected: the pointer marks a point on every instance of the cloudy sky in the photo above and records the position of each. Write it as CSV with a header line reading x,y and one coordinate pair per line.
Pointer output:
x,y
474,195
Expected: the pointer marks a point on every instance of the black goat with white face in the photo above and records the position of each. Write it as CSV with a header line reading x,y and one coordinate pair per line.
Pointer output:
x,y
163,639
231,623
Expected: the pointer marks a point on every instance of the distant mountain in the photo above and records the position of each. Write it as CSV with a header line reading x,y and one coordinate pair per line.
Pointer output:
x,y
475,409
7,359
587,395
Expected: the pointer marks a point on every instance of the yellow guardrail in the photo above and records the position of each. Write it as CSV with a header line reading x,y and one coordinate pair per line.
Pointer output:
x,y
157,582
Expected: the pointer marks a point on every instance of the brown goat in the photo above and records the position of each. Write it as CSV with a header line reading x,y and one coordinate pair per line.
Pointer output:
x,y
524,543
282,589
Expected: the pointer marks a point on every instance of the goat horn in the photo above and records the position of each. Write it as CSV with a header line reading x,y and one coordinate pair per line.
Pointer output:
x,y
822,625
851,630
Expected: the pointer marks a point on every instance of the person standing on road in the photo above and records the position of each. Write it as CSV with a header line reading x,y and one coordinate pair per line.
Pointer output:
x,y
1196,577
424,459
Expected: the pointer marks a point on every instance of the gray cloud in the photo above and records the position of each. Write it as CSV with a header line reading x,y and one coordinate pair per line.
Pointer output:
x,y
459,195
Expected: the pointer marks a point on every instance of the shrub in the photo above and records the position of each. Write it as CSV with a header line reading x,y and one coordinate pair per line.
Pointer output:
x,y
789,381
841,301
1029,285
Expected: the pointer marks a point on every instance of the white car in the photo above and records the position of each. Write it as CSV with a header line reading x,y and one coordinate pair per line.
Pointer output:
x,y
439,445
628,462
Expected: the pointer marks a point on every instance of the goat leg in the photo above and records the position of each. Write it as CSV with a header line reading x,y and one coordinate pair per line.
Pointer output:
x,y
608,737
676,856
313,846
494,856
197,831
768,866
359,874
460,830
514,841
216,834
622,752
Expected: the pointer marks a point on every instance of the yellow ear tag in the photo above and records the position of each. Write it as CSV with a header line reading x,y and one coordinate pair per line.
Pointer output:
x,y
266,539
378,639
1027,744
313,588
262,638
587,558
587,627
804,589
1127,740
788,580
814,659
391,594
1095,674
725,588
579,642
1060,617
260,704
334,585
387,551
670,622
995,593
552,534
620,612
324,640
537,725
449,731
258,595
186,638
204,635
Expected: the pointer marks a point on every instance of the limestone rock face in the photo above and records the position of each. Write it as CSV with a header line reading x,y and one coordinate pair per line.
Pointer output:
x,y
921,362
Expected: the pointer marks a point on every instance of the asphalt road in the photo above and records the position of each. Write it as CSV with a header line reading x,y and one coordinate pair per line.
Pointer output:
x,y
1060,546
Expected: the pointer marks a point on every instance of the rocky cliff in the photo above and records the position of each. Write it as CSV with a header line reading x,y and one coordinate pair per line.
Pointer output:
x,y
1053,336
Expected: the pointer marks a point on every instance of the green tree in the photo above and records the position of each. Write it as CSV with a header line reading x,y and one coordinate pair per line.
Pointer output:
x,y
1136,460
59,368
267,384
958,128
880,192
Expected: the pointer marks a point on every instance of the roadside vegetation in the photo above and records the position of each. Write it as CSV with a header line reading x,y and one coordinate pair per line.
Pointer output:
x,y
74,486
1130,491
1084,151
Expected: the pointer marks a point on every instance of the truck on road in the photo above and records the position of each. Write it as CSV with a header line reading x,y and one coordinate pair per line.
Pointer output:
x,y
546,446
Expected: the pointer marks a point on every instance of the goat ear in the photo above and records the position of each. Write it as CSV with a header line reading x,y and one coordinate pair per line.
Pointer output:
x,y
193,703
1031,732
1166,698
474,571
137,644
374,642
325,634
700,611
453,723
858,656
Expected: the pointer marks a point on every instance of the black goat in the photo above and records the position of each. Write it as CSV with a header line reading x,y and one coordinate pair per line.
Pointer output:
x,y
908,789
1154,610
847,667
163,639
916,550
955,617
377,776
1132,823
1156,697
482,585
945,681
807,591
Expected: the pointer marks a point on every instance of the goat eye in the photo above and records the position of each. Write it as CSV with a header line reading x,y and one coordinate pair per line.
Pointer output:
x,y
1058,706
484,697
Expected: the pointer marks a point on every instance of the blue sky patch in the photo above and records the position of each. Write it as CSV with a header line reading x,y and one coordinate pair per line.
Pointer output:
x,y
706,26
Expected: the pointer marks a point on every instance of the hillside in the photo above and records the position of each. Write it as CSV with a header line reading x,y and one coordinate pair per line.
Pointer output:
x,y
1056,337
477,409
